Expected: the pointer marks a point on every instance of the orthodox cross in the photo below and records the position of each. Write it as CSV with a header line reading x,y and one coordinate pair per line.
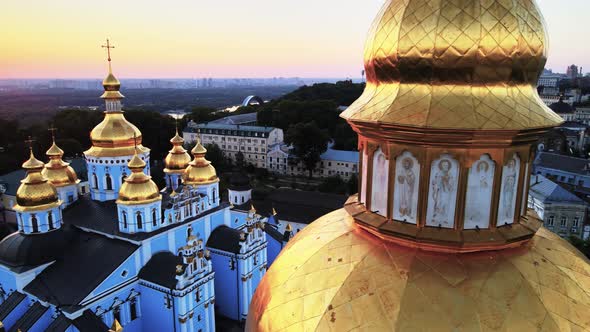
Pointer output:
x,y
52,129
29,142
108,46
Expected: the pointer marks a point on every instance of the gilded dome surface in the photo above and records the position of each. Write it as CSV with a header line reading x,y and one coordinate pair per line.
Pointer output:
x,y
35,192
200,170
115,136
177,159
58,172
333,276
138,188
454,64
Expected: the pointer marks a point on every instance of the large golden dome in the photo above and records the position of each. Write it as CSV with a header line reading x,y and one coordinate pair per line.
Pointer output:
x,y
56,171
334,276
138,187
455,65
114,137
177,159
35,192
199,170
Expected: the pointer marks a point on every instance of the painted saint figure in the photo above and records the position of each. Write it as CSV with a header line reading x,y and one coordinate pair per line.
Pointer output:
x,y
479,194
507,206
406,180
380,183
442,192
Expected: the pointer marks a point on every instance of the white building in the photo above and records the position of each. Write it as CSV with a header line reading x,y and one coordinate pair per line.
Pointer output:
x,y
252,141
561,211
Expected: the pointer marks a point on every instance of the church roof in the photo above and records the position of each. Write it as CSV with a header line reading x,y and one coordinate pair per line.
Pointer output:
x,y
102,217
296,205
273,232
20,252
30,317
91,258
11,302
239,181
226,239
161,269
88,322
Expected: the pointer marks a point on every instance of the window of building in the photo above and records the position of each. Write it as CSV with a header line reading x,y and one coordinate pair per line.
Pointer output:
x,y
563,221
50,220
133,309
117,313
35,223
94,181
551,221
154,219
139,220
124,214
109,182
576,223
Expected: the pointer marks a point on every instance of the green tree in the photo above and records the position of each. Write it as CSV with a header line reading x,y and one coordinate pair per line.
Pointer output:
x,y
307,142
203,114
353,184
333,184
240,160
216,157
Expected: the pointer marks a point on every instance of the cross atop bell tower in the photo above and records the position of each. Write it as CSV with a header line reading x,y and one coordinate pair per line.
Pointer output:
x,y
108,46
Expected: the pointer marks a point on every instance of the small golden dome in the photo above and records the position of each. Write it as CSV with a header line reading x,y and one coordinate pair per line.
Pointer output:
x,y
111,87
115,137
333,276
455,65
178,158
35,192
56,171
199,170
138,187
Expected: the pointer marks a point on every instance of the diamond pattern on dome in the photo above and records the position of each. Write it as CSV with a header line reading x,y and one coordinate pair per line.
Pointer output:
x,y
332,276
455,64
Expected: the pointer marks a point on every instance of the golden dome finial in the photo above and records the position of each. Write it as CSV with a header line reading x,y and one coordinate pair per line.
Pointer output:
x,y
436,65
56,171
289,228
178,158
116,327
274,212
111,84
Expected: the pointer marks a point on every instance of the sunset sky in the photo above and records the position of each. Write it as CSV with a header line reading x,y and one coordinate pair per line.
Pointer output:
x,y
231,38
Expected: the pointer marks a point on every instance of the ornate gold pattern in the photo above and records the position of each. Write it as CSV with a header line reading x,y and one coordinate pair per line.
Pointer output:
x,y
35,192
455,64
199,170
114,137
333,276
138,187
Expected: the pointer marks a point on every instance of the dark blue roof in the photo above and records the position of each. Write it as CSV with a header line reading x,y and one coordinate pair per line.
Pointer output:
x,y
550,192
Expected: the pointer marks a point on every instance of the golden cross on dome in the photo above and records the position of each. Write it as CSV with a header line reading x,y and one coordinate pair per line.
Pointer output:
x,y
29,141
52,129
108,46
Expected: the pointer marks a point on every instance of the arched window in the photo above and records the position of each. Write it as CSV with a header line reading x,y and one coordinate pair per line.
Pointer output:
x,y
242,199
94,181
380,183
154,220
214,195
34,223
236,199
50,220
139,220
109,182
123,177
189,231
124,219
179,181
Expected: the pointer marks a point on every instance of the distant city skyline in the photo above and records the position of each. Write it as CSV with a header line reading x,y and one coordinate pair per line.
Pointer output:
x,y
187,39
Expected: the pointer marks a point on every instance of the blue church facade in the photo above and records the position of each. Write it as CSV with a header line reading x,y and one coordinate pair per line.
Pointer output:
x,y
130,256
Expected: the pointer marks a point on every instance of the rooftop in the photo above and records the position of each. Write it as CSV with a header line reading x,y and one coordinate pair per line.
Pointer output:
x,y
341,155
550,192
194,127
563,163
240,119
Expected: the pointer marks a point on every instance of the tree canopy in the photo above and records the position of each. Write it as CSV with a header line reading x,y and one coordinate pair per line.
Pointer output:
x,y
307,142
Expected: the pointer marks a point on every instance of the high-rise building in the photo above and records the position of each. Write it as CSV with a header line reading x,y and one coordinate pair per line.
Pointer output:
x,y
439,237
573,72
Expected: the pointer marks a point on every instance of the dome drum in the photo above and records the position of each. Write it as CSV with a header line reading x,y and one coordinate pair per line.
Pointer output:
x,y
462,199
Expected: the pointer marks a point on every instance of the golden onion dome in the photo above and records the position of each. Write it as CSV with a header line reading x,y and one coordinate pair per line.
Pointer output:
x,y
199,170
455,65
115,137
111,87
58,172
177,159
35,192
138,187
333,276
